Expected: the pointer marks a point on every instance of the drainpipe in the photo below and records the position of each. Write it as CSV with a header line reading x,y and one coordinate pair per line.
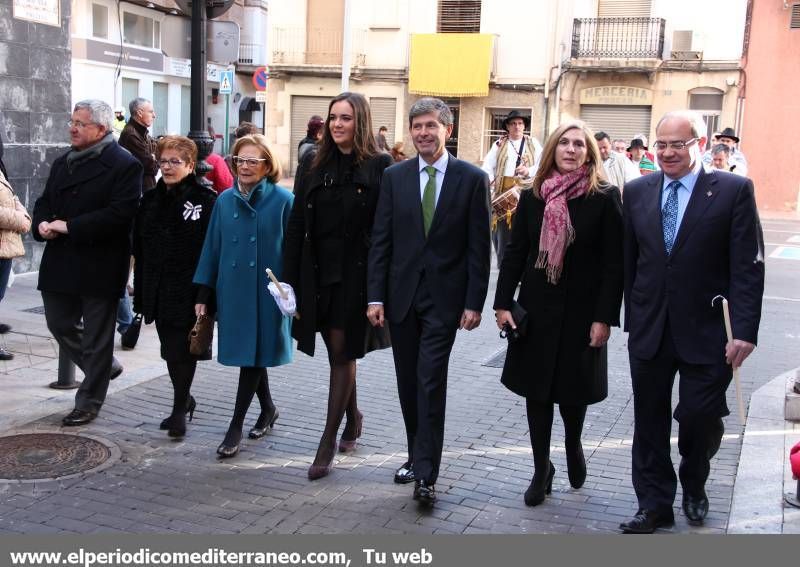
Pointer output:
x,y
346,46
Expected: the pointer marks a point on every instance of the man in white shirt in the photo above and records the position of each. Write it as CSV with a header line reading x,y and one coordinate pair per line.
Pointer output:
x,y
619,169
512,160
737,162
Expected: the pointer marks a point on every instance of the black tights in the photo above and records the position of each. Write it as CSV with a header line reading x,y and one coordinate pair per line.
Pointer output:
x,y
540,424
341,396
181,374
251,381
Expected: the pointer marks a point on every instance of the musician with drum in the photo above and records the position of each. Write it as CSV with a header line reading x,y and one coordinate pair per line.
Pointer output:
x,y
511,164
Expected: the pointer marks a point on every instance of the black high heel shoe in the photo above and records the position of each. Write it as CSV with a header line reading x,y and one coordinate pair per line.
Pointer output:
x,y
264,423
227,448
537,490
177,425
576,466
190,407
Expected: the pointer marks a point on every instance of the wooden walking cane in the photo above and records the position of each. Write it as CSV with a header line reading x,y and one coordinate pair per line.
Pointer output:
x,y
281,291
727,315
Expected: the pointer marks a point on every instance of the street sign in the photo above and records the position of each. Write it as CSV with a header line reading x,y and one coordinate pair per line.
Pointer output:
x,y
260,79
226,82
261,96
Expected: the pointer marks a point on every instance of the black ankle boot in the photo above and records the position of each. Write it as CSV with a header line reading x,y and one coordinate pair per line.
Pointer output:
x,y
541,484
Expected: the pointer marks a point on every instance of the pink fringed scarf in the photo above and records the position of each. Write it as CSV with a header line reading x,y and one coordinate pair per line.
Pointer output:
x,y
557,232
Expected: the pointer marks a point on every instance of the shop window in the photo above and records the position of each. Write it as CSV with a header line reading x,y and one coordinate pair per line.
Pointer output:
x,y
141,30
100,21
459,16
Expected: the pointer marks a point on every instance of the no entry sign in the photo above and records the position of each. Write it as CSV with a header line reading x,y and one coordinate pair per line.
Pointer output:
x,y
260,79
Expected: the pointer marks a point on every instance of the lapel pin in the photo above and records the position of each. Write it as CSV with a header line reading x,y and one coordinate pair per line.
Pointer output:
x,y
708,194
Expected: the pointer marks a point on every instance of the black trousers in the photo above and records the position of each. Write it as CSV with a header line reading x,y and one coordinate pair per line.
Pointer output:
x,y
699,411
90,344
421,346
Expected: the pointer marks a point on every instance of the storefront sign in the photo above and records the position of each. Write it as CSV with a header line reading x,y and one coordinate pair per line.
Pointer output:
x,y
617,95
110,53
183,68
39,11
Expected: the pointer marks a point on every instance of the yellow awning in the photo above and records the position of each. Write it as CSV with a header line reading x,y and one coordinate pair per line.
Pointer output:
x,y
450,64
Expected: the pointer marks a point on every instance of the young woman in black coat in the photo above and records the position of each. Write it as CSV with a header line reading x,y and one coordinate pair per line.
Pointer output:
x,y
566,249
168,236
325,259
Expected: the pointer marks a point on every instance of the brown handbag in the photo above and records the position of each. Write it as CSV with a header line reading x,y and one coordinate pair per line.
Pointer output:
x,y
201,335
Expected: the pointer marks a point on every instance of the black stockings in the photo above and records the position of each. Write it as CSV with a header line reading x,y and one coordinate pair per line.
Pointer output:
x,y
540,424
252,381
341,396
181,374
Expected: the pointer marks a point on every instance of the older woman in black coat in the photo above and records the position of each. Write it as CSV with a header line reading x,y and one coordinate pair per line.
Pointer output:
x,y
168,236
325,259
566,249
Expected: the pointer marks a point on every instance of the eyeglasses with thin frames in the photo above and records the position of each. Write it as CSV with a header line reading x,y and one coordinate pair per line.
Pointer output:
x,y
678,146
79,124
252,162
174,162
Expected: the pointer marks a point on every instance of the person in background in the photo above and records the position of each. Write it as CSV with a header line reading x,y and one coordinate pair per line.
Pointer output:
x,y
570,222
136,139
397,152
313,136
220,176
242,130
620,146
167,239
736,159
511,161
618,168
638,153
325,260
119,122
14,221
383,145
85,216
244,238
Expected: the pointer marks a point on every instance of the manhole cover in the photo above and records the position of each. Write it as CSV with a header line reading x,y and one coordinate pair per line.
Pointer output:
x,y
43,456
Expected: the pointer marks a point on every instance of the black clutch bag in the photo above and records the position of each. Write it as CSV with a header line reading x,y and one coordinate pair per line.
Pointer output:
x,y
520,317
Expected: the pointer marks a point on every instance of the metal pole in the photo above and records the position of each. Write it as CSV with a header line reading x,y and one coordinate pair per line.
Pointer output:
x,y
197,116
227,122
66,372
346,46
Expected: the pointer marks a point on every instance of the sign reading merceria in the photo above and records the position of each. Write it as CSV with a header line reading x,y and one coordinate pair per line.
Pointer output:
x,y
617,94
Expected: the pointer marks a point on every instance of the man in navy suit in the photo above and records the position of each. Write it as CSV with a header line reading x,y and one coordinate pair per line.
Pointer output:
x,y
690,235
429,268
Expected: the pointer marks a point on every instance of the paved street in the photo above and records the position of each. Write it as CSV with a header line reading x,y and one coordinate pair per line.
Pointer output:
x,y
160,485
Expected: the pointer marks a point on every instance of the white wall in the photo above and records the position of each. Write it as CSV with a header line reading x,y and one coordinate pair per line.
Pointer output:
x,y
718,25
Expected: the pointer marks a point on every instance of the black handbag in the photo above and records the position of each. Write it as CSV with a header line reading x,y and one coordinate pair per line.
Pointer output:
x,y
520,316
130,337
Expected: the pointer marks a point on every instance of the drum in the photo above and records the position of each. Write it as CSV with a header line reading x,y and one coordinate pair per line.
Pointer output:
x,y
505,204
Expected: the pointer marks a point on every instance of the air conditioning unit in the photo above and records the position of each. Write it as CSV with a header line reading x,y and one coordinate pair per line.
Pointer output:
x,y
686,55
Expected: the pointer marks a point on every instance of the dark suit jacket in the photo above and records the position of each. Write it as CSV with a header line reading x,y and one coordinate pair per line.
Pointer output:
x,y
718,250
99,201
455,257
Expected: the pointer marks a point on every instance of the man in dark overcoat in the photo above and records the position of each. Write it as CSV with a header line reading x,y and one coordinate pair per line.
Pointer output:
x,y
85,216
690,235
429,269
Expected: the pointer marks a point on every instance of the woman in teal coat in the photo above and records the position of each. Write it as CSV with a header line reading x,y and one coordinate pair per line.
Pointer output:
x,y
245,236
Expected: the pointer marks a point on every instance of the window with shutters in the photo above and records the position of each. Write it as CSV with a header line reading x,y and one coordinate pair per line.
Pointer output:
x,y
100,21
707,101
794,23
459,16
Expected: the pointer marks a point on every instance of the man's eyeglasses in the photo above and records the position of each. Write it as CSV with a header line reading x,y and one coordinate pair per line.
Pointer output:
x,y
79,124
678,146
251,161
174,162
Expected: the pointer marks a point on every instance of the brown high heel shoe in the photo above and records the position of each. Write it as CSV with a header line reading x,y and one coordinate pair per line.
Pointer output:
x,y
319,471
348,445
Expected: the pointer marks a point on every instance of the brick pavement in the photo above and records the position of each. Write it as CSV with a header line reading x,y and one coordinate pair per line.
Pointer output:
x,y
165,486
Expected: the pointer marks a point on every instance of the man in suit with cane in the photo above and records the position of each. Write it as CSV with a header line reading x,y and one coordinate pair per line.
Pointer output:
x,y
690,235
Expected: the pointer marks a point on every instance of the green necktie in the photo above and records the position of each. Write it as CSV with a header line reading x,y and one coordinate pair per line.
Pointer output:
x,y
429,199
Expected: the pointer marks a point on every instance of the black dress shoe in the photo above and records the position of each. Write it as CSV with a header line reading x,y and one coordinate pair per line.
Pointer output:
x,y
648,521
5,355
116,369
4,328
78,417
404,474
424,493
695,508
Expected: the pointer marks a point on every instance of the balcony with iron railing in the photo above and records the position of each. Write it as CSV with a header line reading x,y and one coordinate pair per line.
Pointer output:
x,y
618,38
318,46
252,54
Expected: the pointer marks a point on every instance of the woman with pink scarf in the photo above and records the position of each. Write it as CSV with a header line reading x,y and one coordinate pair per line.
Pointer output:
x,y
566,249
